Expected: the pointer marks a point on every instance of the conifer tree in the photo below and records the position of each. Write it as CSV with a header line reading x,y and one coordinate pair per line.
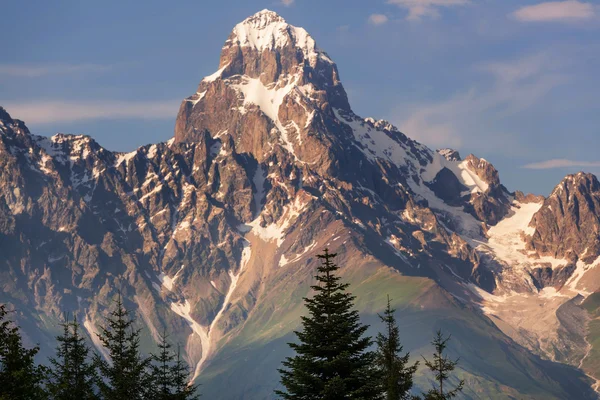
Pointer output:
x,y
124,376
72,376
161,368
184,390
442,366
332,360
170,374
395,372
20,377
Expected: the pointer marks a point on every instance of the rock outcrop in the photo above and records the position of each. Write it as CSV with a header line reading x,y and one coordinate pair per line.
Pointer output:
x,y
568,223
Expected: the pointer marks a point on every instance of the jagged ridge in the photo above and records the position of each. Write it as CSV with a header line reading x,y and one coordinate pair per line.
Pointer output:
x,y
268,165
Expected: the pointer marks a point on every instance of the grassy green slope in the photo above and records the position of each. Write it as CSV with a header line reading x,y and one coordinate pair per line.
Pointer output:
x,y
493,366
591,363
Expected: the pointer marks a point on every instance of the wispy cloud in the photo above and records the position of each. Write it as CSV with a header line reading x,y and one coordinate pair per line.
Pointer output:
x,y
520,69
34,71
46,112
377,19
287,3
515,86
418,9
556,11
562,163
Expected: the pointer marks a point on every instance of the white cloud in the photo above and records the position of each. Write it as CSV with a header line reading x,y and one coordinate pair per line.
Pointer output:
x,y
521,69
287,3
417,9
45,112
34,71
562,163
425,127
378,19
559,11
465,117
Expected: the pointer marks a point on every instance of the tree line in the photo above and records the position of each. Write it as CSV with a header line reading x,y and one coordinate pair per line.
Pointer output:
x,y
333,360
75,373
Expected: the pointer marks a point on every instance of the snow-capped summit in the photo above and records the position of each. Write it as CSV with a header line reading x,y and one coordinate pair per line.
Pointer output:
x,y
267,30
273,86
450,154
276,95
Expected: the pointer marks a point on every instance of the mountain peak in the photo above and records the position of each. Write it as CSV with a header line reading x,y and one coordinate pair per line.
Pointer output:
x,y
267,30
580,182
10,126
4,115
263,30
566,222
450,154
263,18
271,76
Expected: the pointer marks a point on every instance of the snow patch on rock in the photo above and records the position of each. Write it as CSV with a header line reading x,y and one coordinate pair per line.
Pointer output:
x,y
183,309
374,143
460,169
268,99
125,158
506,243
283,261
206,349
276,231
168,282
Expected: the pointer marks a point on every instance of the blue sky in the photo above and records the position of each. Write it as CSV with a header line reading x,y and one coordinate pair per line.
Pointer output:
x,y
515,82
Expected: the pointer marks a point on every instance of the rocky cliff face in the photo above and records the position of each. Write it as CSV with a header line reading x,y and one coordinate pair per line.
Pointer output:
x,y
213,234
568,223
484,196
272,81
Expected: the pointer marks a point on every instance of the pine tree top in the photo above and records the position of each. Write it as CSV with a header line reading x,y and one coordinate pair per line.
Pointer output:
x,y
332,359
